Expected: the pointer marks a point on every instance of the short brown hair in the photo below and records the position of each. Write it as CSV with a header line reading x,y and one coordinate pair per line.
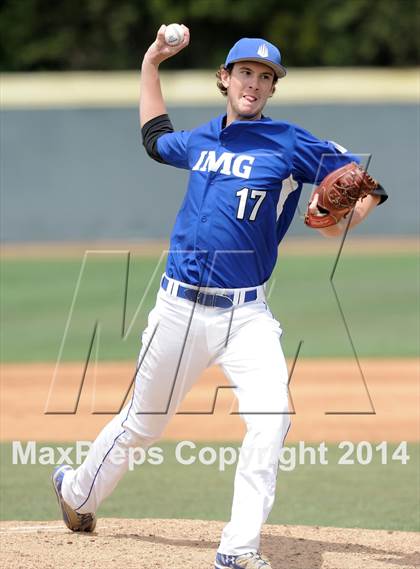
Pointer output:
x,y
220,85
229,68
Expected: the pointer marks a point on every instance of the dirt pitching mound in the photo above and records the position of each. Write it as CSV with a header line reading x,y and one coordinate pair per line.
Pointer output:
x,y
191,544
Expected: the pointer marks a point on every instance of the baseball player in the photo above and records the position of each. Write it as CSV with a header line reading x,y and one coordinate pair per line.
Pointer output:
x,y
246,176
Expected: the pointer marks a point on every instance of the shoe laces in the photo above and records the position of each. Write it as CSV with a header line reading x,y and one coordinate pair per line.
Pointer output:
x,y
253,561
85,520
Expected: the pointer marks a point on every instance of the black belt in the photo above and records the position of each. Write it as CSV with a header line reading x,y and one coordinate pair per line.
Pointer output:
x,y
209,299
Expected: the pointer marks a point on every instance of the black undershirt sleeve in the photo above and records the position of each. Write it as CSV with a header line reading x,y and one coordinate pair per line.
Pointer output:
x,y
150,133
380,191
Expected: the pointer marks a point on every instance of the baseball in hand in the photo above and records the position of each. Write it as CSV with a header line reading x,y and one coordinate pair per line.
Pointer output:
x,y
174,34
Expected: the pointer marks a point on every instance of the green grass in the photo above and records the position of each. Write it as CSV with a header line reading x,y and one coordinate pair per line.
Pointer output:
x,y
378,297
372,496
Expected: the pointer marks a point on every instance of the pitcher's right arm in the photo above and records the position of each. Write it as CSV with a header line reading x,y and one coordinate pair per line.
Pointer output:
x,y
152,103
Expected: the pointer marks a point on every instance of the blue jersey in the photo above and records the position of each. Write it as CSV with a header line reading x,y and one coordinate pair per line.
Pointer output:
x,y
244,187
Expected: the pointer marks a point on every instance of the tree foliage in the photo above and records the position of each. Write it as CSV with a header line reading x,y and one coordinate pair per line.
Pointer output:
x,y
114,34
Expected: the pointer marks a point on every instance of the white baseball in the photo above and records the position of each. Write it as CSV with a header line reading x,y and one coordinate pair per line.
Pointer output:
x,y
174,34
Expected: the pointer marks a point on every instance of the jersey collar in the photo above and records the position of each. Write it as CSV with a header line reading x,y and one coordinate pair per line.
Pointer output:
x,y
221,120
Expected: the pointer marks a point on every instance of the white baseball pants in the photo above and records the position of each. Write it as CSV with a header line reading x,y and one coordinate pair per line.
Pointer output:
x,y
181,340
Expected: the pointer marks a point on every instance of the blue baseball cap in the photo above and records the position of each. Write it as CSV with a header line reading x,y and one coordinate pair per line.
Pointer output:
x,y
259,50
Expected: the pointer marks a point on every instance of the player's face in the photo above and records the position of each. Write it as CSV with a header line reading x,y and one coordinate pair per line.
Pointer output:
x,y
249,85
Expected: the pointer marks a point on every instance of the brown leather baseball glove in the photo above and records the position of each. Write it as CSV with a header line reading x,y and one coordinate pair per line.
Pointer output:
x,y
337,195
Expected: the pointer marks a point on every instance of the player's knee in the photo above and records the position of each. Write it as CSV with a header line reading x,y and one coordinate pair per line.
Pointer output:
x,y
133,438
271,428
